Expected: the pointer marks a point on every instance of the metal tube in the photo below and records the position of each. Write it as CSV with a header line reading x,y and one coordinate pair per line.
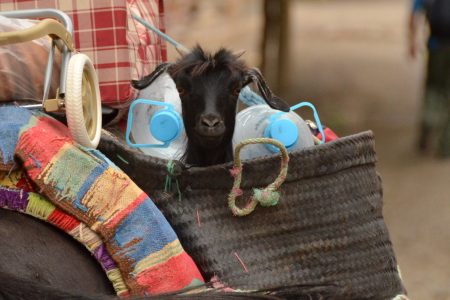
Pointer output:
x,y
55,14
48,71
179,47
63,73
41,13
31,106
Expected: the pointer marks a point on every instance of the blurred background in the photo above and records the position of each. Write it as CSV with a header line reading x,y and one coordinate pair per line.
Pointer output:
x,y
350,58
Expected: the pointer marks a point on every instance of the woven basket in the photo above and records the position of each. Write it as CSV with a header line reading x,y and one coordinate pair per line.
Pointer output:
x,y
327,229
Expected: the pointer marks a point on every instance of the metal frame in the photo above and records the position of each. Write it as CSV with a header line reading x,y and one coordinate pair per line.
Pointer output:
x,y
60,30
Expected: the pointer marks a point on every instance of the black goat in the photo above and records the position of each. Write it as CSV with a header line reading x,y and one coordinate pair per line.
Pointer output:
x,y
209,87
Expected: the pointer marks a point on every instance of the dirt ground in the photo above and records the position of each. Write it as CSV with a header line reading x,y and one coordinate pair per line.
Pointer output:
x,y
350,58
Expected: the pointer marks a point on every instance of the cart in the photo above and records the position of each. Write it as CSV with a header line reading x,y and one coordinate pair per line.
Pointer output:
x,y
78,94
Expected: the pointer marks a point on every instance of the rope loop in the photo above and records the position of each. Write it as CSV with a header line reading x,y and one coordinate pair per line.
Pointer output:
x,y
268,196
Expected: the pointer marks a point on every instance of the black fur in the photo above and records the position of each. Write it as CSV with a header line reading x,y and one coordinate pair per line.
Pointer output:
x,y
209,87
13,288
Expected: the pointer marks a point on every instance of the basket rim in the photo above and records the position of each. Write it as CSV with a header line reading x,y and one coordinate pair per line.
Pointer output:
x,y
319,160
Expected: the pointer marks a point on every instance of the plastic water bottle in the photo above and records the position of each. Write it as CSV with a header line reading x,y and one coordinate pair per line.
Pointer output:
x,y
262,121
154,120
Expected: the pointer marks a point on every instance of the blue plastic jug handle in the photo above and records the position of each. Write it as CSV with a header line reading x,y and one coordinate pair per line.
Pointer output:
x,y
313,108
249,97
169,106
316,116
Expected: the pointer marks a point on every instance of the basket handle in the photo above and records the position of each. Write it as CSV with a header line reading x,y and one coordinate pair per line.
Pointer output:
x,y
268,196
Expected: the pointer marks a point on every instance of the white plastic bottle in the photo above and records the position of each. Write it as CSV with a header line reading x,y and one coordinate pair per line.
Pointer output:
x,y
155,125
262,121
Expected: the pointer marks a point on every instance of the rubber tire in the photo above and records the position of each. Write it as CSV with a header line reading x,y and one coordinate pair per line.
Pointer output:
x,y
78,64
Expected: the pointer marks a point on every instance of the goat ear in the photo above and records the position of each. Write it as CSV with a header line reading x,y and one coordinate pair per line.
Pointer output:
x,y
254,75
147,80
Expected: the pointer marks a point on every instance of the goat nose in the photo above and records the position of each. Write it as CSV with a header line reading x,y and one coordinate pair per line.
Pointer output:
x,y
210,121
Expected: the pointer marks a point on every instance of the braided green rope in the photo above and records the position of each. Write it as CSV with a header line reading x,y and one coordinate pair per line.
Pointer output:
x,y
267,196
168,183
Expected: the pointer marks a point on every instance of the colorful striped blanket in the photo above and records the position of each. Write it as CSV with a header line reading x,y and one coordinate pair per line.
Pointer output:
x,y
81,191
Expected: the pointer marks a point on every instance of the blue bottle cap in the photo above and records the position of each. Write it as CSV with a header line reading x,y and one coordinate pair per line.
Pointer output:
x,y
284,131
165,125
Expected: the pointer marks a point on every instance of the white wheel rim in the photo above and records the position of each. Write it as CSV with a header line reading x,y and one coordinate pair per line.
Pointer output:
x,y
89,105
82,100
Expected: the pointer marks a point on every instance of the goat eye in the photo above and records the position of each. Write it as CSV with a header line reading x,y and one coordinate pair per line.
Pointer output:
x,y
236,91
181,91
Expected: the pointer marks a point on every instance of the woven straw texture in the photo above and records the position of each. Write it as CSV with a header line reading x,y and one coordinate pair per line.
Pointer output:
x,y
328,227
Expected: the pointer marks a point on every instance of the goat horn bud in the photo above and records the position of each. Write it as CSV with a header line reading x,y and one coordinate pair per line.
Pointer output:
x,y
239,53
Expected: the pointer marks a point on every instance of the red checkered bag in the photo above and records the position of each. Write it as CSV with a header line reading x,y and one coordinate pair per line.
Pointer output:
x,y
120,47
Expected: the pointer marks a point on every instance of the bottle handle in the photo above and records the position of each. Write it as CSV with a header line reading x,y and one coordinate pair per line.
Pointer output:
x,y
249,97
316,116
168,106
268,196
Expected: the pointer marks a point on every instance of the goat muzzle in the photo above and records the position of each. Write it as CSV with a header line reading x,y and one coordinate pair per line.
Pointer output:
x,y
210,121
210,127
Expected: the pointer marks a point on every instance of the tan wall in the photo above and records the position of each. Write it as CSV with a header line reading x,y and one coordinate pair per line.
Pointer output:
x,y
235,24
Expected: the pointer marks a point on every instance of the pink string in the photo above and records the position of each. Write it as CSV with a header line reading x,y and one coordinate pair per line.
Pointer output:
x,y
242,262
235,171
198,219
237,191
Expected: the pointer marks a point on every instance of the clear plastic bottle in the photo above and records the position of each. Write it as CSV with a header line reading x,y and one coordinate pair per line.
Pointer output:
x,y
154,121
262,121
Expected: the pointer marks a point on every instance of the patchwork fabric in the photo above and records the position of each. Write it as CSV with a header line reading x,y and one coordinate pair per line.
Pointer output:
x,y
121,48
82,184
